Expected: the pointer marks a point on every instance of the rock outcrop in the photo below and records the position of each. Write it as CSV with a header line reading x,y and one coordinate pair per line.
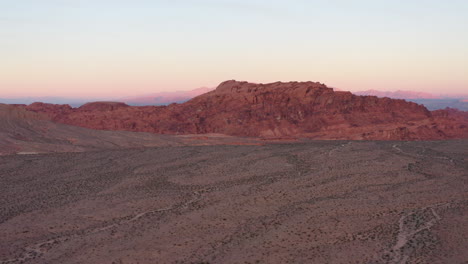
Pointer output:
x,y
275,110
26,132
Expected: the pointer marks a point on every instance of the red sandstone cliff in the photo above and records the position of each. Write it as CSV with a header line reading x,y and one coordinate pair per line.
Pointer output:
x,y
295,109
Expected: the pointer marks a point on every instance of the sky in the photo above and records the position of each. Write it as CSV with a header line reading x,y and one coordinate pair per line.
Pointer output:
x,y
83,48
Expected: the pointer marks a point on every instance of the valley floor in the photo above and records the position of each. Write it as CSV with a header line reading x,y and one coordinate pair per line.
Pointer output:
x,y
313,202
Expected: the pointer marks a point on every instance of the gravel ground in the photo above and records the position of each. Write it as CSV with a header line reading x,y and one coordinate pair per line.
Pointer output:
x,y
313,202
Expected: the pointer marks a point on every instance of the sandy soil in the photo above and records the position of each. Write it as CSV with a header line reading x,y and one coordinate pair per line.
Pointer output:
x,y
315,202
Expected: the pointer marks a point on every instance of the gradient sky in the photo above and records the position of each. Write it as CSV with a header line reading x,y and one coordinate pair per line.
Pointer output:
x,y
122,47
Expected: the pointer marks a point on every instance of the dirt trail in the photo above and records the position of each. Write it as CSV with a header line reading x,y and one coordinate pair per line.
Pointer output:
x,y
410,226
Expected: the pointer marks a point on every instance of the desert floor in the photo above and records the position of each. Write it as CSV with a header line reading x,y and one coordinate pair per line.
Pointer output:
x,y
312,202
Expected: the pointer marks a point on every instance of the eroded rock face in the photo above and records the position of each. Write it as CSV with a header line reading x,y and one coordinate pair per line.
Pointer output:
x,y
294,109
102,106
52,110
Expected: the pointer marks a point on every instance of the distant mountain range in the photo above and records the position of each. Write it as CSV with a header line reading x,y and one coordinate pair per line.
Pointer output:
x,y
161,98
165,98
399,94
431,101
75,102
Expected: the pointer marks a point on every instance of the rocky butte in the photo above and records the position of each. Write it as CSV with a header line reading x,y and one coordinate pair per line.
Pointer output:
x,y
275,110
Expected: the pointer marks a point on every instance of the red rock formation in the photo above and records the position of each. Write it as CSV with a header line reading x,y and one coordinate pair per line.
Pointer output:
x,y
295,109
102,106
452,121
52,110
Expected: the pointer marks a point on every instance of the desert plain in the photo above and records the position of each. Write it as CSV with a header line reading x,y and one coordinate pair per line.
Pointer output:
x,y
304,202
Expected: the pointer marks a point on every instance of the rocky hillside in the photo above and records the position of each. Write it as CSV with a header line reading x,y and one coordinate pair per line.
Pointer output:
x,y
25,132
275,110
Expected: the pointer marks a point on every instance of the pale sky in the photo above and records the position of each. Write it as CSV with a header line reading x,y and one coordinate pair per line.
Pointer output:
x,y
123,48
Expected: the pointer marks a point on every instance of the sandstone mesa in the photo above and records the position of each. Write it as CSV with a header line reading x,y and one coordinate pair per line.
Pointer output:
x,y
276,110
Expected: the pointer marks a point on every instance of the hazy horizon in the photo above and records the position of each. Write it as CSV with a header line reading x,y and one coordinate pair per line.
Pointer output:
x,y
21,99
102,49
